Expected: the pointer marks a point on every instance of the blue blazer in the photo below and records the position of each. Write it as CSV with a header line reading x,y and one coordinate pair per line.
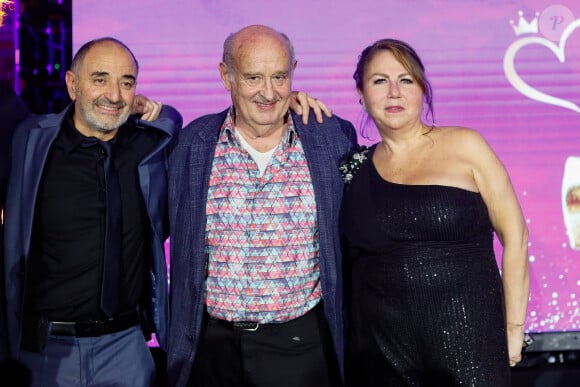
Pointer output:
x,y
30,146
190,164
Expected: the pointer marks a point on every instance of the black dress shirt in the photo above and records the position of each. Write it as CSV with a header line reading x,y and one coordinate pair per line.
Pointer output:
x,y
65,263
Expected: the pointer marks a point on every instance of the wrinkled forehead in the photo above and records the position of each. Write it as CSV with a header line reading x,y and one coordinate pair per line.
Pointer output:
x,y
256,53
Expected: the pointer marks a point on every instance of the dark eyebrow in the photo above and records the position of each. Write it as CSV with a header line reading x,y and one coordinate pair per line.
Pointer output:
x,y
131,77
104,73
403,75
99,74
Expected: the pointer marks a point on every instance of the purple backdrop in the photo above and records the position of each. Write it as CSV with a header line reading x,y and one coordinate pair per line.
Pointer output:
x,y
517,81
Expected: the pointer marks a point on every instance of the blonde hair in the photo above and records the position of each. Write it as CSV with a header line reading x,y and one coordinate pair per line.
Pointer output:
x,y
4,4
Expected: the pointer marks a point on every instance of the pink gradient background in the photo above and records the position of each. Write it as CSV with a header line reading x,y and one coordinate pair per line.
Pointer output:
x,y
462,43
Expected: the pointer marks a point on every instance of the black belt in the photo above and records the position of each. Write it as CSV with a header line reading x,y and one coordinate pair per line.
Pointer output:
x,y
93,328
252,326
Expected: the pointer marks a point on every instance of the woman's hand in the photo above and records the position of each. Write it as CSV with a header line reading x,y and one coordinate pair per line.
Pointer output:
x,y
515,336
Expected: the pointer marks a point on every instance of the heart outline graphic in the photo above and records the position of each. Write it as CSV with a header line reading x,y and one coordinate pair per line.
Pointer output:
x,y
559,50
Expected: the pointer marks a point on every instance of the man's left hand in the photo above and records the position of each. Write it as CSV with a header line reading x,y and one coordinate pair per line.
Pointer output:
x,y
301,103
148,109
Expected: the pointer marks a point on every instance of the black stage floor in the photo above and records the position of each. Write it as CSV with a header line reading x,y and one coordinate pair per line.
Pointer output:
x,y
548,369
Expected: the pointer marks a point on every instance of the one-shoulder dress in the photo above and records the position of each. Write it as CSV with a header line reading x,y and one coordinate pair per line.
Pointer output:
x,y
422,286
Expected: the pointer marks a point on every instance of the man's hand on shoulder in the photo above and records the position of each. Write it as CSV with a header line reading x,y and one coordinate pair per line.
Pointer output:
x,y
148,109
301,103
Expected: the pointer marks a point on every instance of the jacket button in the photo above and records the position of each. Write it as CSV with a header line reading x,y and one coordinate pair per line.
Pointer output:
x,y
189,337
18,315
20,275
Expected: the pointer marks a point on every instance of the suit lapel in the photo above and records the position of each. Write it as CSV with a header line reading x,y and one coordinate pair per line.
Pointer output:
x,y
37,147
201,152
314,140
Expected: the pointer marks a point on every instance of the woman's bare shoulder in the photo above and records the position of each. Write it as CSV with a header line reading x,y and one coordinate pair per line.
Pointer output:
x,y
460,136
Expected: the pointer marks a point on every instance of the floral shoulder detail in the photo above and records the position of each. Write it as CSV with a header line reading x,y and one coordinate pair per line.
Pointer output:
x,y
352,162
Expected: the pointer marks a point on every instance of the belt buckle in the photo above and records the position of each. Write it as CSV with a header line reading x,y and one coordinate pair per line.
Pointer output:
x,y
248,326
62,328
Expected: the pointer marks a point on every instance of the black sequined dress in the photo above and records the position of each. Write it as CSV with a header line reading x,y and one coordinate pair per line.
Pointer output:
x,y
423,289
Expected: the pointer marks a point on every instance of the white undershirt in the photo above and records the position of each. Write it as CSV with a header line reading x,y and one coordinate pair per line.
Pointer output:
x,y
261,158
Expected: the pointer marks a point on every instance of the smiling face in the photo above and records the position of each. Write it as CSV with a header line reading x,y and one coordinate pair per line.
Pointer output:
x,y
390,94
260,80
103,89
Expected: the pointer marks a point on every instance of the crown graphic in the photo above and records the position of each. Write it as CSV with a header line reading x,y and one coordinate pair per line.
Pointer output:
x,y
525,27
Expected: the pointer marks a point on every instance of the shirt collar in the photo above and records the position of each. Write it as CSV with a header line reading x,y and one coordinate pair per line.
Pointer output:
x,y
72,138
228,131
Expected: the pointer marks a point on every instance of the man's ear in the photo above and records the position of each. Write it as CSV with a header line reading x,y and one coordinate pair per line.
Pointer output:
x,y
71,84
225,75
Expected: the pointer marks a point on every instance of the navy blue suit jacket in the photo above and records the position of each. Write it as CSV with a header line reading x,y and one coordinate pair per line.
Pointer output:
x,y
190,164
31,143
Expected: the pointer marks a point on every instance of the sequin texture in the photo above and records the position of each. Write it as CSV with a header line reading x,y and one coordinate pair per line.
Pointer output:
x,y
422,285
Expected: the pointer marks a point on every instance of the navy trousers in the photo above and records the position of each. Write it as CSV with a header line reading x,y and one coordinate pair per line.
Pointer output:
x,y
114,360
